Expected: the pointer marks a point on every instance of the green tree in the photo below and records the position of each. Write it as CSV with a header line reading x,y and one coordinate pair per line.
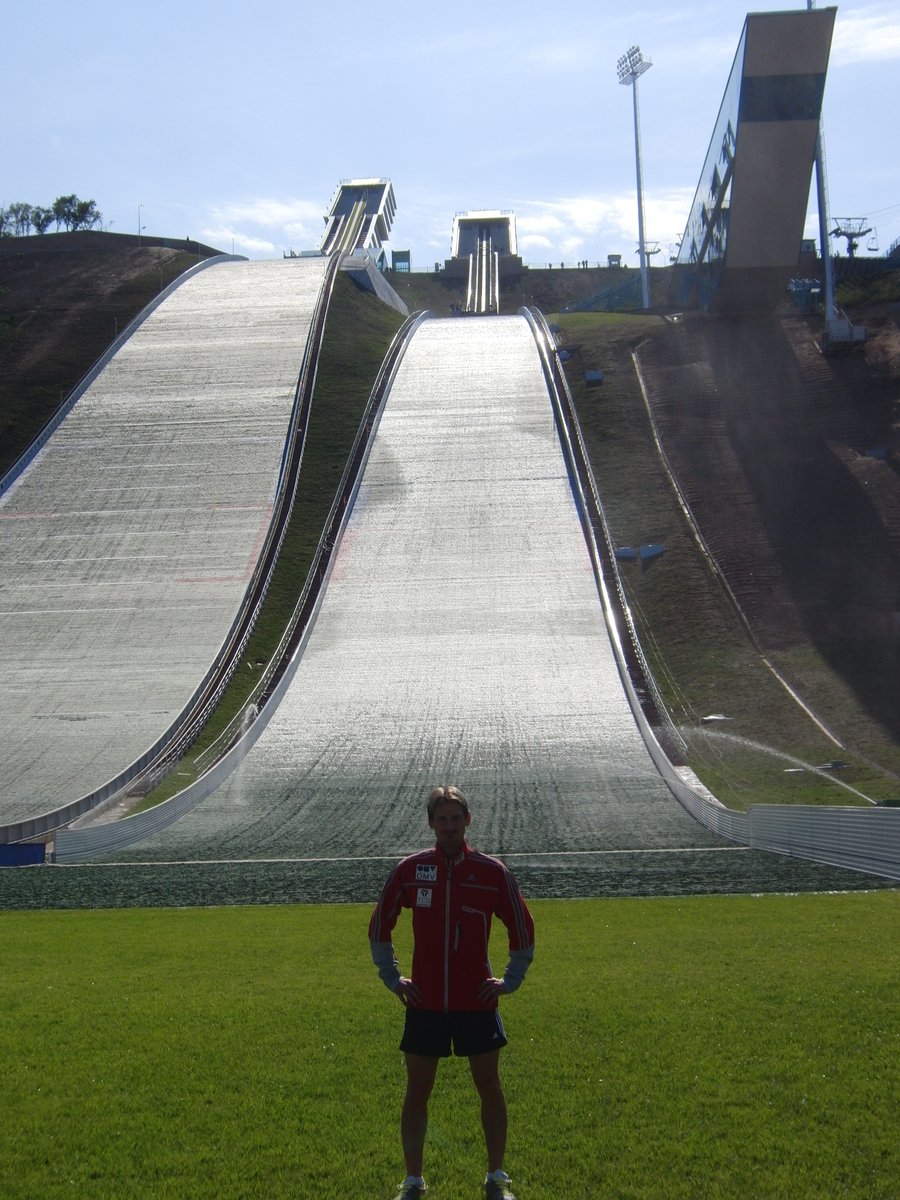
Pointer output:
x,y
20,214
87,215
41,219
64,208
19,219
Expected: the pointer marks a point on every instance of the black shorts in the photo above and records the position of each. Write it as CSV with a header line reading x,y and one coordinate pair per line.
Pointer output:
x,y
431,1033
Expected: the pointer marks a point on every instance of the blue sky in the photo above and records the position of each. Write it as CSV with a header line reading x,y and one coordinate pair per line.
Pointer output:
x,y
233,123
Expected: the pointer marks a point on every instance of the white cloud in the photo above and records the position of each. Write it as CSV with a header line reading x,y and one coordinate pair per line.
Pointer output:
x,y
706,55
866,35
264,226
269,213
222,236
534,241
593,226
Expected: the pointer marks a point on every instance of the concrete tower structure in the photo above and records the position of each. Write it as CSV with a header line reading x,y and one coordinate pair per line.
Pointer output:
x,y
742,239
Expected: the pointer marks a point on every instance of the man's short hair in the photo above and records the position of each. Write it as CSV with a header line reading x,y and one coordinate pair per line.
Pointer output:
x,y
445,792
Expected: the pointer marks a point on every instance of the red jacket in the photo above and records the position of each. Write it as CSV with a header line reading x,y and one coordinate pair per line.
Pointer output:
x,y
452,906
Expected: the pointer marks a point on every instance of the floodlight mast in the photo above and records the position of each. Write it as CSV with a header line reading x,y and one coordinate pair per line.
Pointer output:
x,y
631,66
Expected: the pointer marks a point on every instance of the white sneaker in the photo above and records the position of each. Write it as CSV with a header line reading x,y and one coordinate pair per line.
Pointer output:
x,y
495,1186
412,1188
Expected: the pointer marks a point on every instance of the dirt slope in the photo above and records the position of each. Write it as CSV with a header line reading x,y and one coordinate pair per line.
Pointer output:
x,y
791,465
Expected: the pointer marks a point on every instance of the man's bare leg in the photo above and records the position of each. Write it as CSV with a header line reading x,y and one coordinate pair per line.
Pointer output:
x,y
420,1075
485,1070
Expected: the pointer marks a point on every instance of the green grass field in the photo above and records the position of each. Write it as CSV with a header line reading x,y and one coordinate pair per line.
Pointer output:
x,y
731,1048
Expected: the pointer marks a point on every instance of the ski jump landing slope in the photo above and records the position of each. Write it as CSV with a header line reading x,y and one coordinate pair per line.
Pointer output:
x,y
460,640
127,545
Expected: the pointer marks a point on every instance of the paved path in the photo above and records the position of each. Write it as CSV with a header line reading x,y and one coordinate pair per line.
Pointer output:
x,y
460,640
125,549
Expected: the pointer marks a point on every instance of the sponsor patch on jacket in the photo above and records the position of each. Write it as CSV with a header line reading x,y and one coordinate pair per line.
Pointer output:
x,y
423,898
426,873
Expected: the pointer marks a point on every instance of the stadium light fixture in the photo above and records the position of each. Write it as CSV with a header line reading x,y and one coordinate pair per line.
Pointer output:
x,y
631,66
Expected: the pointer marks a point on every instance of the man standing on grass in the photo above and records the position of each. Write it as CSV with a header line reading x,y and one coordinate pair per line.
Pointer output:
x,y
452,995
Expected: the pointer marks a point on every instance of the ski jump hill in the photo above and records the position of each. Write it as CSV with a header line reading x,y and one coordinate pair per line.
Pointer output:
x,y
130,537
462,634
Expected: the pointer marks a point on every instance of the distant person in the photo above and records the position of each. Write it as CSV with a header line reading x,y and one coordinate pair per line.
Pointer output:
x,y
452,996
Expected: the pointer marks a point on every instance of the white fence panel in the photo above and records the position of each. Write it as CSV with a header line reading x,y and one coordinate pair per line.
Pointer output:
x,y
863,839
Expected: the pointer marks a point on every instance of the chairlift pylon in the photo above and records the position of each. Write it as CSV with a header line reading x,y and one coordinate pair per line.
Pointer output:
x,y
851,228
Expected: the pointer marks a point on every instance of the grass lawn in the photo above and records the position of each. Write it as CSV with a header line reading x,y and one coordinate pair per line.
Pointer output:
x,y
717,1047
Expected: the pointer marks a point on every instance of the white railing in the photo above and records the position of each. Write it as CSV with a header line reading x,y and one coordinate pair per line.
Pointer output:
x,y
471,284
863,839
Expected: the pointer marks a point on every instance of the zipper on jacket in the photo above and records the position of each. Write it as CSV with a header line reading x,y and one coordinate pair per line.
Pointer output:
x,y
477,912
447,938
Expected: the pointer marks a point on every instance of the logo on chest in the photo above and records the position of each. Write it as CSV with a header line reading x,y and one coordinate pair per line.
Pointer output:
x,y
423,897
426,873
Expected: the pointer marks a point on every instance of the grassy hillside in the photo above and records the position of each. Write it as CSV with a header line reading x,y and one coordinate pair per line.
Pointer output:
x,y
700,650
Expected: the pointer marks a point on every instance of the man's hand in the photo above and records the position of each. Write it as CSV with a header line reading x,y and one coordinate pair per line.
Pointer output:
x,y
491,989
408,992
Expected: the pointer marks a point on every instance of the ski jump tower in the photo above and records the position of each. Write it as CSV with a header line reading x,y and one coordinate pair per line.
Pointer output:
x,y
359,218
484,249
742,240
